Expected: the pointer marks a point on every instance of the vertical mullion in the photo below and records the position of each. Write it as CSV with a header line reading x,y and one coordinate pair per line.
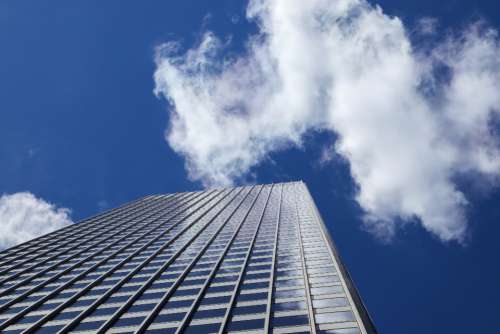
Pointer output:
x,y
111,270
199,296
122,281
18,315
361,315
236,289
150,318
312,321
158,273
267,323
56,276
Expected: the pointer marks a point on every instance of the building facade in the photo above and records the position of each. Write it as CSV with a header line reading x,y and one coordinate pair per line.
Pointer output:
x,y
254,259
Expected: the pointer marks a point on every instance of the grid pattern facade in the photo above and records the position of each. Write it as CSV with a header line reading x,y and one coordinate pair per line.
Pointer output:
x,y
252,259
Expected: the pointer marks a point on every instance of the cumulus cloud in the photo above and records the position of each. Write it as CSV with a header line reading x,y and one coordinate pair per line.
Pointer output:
x,y
24,216
410,118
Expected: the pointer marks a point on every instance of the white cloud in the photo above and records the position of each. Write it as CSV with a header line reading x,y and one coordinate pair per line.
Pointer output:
x,y
427,25
24,217
410,119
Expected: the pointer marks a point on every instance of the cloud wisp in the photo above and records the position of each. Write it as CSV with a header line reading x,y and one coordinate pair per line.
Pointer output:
x,y
410,119
24,216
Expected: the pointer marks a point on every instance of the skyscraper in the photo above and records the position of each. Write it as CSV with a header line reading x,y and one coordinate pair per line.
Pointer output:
x,y
253,259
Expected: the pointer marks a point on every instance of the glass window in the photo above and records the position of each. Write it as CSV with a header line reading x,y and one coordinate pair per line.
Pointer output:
x,y
49,329
141,307
327,290
289,273
137,279
220,288
179,303
67,315
340,331
255,267
295,320
172,276
261,259
161,331
117,299
252,296
46,307
255,285
252,309
324,318
289,265
169,317
326,270
229,270
151,295
203,265
192,282
289,293
289,282
257,276
222,279
330,302
91,325
209,313
199,273
29,319
235,262
319,262
290,306
186,292
207,328
129,321
246,325
324,279
215,300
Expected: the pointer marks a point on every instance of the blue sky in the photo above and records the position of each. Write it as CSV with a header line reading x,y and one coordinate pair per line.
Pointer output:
x,y
81,128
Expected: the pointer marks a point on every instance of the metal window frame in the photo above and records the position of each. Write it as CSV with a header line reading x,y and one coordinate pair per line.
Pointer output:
x,y
131,235
310,309
122,281
77,277
270,293
94,219
237,287
55,256
109,272
360,311
74,255
158,273
87,258
150,318
189,314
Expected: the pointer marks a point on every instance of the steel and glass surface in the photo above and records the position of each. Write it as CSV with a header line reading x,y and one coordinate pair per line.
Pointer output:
x,y
253,259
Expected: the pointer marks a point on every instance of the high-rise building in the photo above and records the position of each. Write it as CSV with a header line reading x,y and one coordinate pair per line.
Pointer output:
x,y
254,259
